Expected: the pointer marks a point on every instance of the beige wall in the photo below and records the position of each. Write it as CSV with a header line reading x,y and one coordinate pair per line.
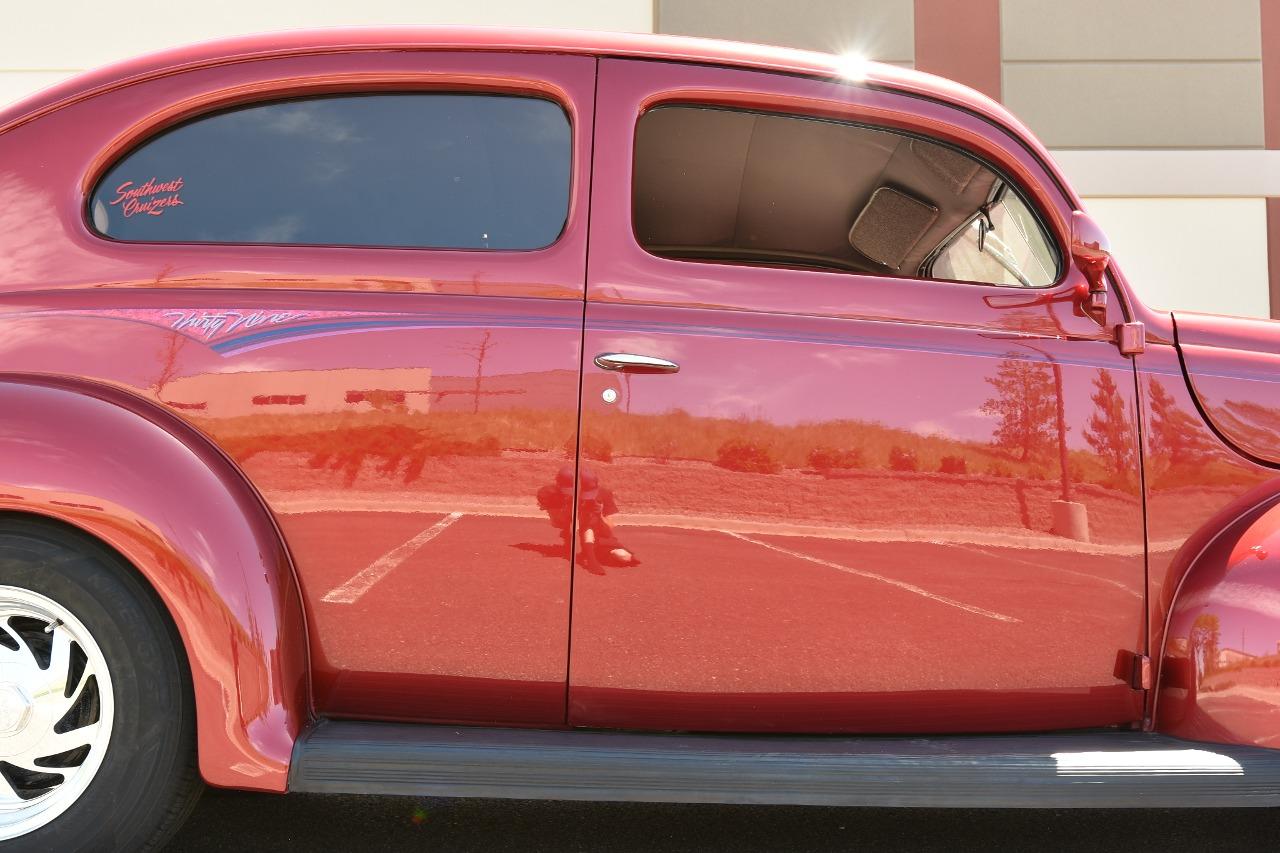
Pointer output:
x,y
877,29
1136,73
1138,105
1153,106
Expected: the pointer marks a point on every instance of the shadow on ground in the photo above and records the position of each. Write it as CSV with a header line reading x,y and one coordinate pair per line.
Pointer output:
x,y
228,820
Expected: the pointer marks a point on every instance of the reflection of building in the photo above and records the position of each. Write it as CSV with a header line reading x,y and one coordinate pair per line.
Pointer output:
x,y
1228,657
543,389
357,389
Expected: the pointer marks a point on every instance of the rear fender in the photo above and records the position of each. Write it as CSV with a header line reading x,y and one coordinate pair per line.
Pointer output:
x,y
161,495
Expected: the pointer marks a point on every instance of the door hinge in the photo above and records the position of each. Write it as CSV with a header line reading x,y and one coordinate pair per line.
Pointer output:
x,y
1140,677
1131,338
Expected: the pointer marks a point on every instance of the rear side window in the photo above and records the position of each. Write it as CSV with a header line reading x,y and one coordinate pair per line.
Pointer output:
x,y
426,170
742,187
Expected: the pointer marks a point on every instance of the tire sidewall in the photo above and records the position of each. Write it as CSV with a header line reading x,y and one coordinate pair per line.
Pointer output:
x,y
152,735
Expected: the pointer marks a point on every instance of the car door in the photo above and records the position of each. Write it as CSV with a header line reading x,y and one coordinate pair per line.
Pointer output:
x,y
361,276
835,496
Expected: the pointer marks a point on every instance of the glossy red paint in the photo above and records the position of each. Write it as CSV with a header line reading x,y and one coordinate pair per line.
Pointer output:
x,y
784,590
1211,511
1232,364
1222,651
484,348
156,491
836,527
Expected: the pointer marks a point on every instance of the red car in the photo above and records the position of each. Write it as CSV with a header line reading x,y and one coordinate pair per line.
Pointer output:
x,y
540,414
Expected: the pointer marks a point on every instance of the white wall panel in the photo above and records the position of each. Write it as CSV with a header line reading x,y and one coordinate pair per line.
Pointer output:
x,y
18,84
1197,254
78,34
1193,172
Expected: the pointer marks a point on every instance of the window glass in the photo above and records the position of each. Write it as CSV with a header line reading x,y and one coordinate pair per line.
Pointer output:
x,y
743,187
432,170
1002,245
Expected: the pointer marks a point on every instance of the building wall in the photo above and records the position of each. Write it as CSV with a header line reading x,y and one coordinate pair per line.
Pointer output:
x,y
43,42
1164,113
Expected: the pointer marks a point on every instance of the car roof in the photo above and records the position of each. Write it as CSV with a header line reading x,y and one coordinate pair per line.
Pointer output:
x,y
582,42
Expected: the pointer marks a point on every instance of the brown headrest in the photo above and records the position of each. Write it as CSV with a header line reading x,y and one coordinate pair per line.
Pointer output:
x,y
890,224
953,167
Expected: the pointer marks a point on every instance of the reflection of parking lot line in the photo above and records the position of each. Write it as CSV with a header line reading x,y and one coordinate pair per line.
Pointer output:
x,y
351,591
1039,565
903,585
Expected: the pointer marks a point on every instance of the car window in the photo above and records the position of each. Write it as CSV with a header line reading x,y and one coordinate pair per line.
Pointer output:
x,y
432,170
1003,244
736,186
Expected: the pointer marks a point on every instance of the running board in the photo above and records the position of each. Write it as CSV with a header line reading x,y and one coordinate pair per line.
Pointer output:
x,y
1074,770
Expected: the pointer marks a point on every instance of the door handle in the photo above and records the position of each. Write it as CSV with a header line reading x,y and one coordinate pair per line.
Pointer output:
x,y
625,362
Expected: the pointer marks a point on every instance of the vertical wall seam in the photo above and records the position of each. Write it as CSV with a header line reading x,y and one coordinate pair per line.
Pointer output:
x,y
960,41
1269,27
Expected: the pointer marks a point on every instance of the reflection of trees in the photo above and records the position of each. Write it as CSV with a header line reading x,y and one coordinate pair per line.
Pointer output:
x,y
479,352
1024,407
1109,430
347,449
1177,438
1205,637
168,363
1256,425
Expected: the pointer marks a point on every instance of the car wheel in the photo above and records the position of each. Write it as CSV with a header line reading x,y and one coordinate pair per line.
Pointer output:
x,y
97,720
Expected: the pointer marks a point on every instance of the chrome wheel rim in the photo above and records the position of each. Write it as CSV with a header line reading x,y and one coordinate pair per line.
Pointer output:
x,y
56,710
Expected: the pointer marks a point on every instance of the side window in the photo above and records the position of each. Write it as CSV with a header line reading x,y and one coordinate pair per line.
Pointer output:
x,y
426,170
734,186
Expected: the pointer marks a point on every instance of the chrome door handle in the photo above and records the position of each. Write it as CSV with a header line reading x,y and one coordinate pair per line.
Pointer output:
x,y
625,362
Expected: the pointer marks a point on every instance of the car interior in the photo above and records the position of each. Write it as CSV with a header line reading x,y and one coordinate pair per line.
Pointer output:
x,y
734,186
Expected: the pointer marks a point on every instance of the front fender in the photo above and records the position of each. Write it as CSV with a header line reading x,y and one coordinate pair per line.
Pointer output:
x,y
1220,668
160,494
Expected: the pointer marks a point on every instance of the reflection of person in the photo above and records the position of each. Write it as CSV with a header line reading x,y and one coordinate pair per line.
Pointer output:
x,y
597,539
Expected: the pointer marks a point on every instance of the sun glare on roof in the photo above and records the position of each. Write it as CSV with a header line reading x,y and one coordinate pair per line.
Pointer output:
x,y
853,66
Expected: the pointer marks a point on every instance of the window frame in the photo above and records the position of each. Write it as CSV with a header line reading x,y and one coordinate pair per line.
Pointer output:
x,y
1056,249
121,151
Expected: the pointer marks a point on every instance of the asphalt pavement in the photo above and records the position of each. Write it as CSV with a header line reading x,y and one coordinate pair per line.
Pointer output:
x,y
230,820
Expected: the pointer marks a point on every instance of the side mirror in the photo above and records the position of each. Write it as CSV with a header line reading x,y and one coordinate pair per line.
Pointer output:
x,y
1092,254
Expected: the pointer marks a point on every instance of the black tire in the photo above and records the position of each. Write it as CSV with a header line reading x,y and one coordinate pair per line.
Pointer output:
x,y
147,783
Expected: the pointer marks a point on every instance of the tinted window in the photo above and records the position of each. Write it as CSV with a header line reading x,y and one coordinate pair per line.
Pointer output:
x,y
754,188
417,170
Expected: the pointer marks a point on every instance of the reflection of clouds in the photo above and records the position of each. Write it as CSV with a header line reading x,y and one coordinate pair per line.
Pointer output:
x,y
35,333
313,119
29,223
667,347
327,169
933,428
282,229
841,357
254,365
732,405
1253,597
543,121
